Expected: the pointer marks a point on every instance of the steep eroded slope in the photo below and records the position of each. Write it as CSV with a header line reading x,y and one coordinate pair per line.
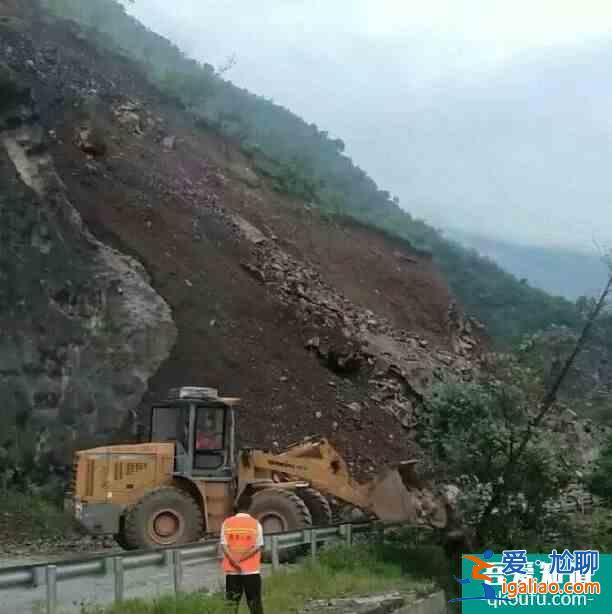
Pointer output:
x,y
321,327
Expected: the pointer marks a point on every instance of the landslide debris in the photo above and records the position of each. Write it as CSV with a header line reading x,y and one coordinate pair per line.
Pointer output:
x,y
143,255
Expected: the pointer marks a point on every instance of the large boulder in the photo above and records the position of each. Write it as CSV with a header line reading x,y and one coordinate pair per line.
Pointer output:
x,y
81,328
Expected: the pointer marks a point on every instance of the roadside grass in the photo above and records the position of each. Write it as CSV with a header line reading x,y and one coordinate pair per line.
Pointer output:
x,y
32,517
339,572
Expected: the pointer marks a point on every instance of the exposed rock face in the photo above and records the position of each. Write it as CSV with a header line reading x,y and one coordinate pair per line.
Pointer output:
x,y
81,329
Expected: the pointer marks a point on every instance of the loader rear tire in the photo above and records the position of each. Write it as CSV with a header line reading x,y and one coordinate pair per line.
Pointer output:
x,y
318,505
164,517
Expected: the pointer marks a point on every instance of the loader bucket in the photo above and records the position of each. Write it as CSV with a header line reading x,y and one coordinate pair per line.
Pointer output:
x,y
391,499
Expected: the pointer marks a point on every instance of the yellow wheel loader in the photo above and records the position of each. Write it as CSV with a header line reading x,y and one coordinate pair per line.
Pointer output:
x,y
185,482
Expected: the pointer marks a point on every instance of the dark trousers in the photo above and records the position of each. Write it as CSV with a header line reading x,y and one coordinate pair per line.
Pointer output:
x,y
236,584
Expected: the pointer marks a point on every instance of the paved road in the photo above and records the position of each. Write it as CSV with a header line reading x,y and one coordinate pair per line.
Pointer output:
x,y
31,559
73,594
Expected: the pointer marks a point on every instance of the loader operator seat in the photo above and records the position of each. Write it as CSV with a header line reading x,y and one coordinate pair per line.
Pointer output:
x,y
209,451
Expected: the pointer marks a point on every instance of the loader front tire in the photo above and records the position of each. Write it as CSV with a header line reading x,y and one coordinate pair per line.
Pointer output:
x,y
164,517
280,510
318,505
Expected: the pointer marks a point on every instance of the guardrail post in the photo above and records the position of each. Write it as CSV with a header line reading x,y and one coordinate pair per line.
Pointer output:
x,y
346,531
313,544
169,561
380,532
51,582
38,576
118,577
177,576
275,560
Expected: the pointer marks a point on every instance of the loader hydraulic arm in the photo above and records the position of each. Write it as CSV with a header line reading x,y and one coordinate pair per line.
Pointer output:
x,y
317,463
392,496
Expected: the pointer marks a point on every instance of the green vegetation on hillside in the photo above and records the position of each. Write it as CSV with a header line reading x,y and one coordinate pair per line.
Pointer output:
x,y
304,161
25,517
340,572
600,479
474,432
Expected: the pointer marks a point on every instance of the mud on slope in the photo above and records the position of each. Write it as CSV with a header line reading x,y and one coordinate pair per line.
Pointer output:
x,y
321,327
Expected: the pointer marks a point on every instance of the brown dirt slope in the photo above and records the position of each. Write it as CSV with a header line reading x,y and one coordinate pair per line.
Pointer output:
x,y
320,327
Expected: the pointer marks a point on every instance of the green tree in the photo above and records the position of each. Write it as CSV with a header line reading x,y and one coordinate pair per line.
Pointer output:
x,y
473,432
600,479
511,473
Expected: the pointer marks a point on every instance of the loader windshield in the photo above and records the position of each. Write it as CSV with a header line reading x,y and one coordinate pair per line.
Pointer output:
x,y
209,429
209,438
168,424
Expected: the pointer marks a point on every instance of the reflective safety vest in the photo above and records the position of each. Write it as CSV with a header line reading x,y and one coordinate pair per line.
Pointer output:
x,y
241,535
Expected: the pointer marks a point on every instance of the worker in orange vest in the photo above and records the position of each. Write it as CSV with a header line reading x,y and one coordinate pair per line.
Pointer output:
x,y
242,543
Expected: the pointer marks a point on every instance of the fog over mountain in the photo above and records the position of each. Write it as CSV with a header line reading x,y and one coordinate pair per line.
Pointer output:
x,y
492,118
559,271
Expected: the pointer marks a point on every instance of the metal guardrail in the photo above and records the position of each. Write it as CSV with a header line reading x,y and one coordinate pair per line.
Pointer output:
x,y
175,559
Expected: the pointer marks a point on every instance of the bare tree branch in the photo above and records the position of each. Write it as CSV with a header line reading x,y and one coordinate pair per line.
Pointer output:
x,y
550,397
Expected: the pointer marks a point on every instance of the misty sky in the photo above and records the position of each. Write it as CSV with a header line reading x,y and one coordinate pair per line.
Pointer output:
x,y
489,116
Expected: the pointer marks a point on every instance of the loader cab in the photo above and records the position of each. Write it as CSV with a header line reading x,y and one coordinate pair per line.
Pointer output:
x,y
202,426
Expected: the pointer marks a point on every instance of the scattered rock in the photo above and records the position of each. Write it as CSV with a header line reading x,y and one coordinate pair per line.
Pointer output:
x,y
246,175
250,232
90,141
314,342
169,143
126,114
401,359
374,604
253,271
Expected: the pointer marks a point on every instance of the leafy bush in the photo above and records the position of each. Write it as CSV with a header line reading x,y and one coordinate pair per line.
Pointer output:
x,y
32,517
26,463
600,479
473,433
355,559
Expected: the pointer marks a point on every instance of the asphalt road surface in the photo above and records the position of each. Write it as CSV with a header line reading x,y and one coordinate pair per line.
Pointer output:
x,y
138,583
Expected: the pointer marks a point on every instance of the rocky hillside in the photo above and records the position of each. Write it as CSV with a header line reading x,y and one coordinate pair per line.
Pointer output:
x,y
82,328
140,252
